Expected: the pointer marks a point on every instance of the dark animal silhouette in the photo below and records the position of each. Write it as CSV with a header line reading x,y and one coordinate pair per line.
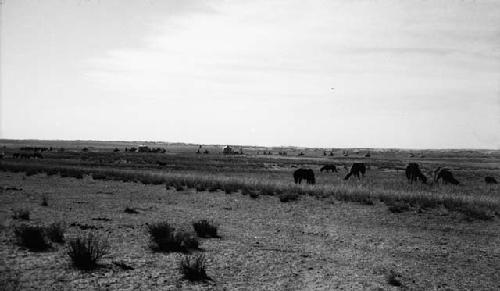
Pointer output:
x,y
37,156
306,174
161,164
447,177
413,173
356,169
16,155
328,168
490,180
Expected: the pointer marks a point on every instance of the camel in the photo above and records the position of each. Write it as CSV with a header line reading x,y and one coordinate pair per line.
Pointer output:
x,y
306,174
356,169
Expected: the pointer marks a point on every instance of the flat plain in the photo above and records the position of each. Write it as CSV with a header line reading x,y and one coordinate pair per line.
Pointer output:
x,y
379,232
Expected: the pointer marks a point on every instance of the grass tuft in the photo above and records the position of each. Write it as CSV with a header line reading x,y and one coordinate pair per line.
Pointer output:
x,y
85,251
205,229
193,268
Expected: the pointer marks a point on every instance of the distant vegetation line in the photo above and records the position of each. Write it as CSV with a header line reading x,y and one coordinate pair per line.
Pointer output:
x,y
477,205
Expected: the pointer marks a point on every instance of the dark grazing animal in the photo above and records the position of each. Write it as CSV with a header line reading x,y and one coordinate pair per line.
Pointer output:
x,y
306,174
490,180
356,169
447,177
328,168
413,172
37,156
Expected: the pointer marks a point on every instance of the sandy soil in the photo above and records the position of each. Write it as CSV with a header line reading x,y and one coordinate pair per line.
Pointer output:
x,y
311,244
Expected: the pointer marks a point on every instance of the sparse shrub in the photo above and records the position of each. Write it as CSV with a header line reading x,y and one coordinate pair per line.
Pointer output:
x,y
31,172
193,268
477,213
31,237
205,229
98,176
289,197
51,172
22,214
213,188
254,194
45,201
366,201
130,210
392,279
200,187
164,238
86,251
246,191
123,266
10,280
55,232
398,207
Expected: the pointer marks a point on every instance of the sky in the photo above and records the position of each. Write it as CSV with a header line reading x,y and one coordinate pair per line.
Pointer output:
x,y
345,73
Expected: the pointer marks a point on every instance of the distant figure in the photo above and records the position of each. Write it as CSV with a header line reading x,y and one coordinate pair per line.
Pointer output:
x,y
447,177
328,168
37,156
331,154
356,169
306,174
2,155
16,155
490,180
205,152
116,150
346,153
367,155
324,153
161,164
412,155
301,154
413,172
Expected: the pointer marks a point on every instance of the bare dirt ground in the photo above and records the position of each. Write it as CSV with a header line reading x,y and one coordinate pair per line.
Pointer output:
x,y
311,244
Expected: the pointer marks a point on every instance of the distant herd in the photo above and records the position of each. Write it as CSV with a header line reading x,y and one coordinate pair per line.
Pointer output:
x,y
412,172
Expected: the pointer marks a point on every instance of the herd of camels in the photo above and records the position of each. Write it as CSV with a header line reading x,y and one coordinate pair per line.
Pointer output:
x,y
412,171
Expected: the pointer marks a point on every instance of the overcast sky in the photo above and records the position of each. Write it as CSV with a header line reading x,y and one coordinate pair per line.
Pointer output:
x,y
412,74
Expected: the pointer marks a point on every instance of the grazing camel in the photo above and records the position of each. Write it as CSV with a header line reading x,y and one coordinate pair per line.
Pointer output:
x,y
356,169
413,172
306,174
447,177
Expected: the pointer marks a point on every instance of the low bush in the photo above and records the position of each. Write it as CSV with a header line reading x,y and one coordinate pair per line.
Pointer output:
x,y
392,279
289,197
130,210
21,214
205,229
193,268
55,232
85,251
398,207
98,176
45,201
164,238
31,237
